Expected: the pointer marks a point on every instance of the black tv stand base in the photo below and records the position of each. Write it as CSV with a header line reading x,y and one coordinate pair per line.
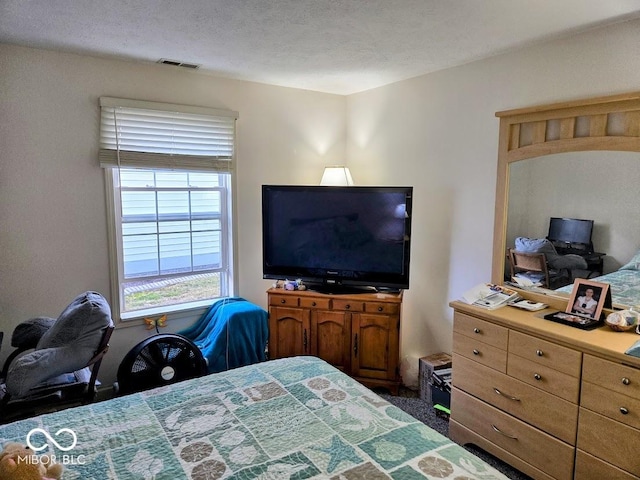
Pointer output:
x,y
388,290
336,289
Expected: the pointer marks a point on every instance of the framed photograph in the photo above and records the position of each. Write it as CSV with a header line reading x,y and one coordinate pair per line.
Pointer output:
x,y
588,298
585,305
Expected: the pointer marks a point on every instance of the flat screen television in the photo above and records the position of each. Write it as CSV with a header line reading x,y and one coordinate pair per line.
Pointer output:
x,y
570,231
337,239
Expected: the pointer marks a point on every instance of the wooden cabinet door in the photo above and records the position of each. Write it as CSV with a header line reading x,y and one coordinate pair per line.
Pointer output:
x,y
289,332
374,350
331,337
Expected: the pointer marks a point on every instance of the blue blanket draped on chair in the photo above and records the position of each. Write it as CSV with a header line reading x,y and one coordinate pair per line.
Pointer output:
x,y
232,333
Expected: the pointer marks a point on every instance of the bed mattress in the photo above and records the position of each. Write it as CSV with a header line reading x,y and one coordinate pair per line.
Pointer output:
x,y
292,418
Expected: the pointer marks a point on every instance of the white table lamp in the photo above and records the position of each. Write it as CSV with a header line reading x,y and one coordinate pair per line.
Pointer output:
x,y
336,175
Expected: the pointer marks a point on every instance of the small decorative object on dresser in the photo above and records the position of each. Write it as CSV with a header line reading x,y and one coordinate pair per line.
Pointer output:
x,y
622,320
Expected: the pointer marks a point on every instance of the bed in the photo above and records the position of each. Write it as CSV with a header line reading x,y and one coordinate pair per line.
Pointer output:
x,y
624,283
292,418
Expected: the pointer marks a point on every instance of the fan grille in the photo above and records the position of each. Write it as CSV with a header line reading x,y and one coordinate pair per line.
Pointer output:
x,y
143,366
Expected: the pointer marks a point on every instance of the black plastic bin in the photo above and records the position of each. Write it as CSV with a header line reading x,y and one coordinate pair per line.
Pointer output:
x,y
441,387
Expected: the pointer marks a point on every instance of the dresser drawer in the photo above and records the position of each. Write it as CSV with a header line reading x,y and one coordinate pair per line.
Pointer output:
x,y
387,308
485,332
323,303
284,300
611,404
547,412
348,305
609,440
612,376
554,356
524,441
480,352
589,467
540,376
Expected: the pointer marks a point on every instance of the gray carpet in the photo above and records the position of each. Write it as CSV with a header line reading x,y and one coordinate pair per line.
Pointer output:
x,y
409,401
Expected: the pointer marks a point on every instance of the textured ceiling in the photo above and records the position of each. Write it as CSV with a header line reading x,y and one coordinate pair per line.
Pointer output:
x,y
335,46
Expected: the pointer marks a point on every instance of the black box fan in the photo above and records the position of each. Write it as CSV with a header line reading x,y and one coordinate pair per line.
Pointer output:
x,y
159,360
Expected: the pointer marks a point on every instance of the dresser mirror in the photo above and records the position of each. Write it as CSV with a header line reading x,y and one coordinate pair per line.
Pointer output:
x,y
575,159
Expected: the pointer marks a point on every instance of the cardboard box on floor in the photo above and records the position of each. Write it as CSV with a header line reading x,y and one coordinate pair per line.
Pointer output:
x,y
427,365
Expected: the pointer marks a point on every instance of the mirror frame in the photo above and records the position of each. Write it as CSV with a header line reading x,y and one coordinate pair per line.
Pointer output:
x,y
600,123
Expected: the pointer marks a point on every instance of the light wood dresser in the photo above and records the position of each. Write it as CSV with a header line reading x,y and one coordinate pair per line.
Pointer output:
x,y
554,401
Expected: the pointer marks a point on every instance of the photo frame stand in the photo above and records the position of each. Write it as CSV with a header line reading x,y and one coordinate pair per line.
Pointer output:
x,y
595,294
576,321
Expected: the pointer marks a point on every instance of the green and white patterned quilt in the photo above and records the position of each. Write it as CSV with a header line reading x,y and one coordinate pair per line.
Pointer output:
x,y
294,418
623,284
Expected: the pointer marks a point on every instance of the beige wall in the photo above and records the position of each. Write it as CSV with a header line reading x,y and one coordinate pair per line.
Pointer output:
x,y
439,133
53,237
436,132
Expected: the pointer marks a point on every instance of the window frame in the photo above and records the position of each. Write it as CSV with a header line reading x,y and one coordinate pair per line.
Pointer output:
x,y
189,310
116,256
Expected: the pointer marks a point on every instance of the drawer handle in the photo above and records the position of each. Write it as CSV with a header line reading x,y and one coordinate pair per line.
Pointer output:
x,y
537,376
380,309
313,304
515,399
476,352
476,330
347,307
283,301
624,410
539,353
625,381
502,433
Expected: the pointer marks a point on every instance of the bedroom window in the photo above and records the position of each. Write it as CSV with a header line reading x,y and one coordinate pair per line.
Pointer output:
x,y
169,175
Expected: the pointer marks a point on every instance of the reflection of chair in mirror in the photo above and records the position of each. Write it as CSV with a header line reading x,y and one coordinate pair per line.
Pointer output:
x,y
534,267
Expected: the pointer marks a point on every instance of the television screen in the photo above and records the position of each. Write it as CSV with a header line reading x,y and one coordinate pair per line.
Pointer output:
x,y
337,236
570,230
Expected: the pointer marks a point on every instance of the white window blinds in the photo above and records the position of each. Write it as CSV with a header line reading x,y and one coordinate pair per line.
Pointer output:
x,y
160,135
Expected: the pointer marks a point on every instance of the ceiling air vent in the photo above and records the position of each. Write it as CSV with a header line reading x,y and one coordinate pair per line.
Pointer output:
x,y
176,63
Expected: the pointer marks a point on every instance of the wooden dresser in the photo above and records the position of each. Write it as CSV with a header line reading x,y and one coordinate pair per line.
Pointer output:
x,y
554,401
357,333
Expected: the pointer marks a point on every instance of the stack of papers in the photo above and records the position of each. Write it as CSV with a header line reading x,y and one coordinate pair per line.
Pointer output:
x,y
528,279
528,305
490,296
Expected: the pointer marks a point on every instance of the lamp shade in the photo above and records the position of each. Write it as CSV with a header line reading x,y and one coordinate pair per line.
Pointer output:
x,y
336,175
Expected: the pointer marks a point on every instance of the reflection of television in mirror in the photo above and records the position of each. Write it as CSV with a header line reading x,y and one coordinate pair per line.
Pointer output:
x,y
337,239
571,233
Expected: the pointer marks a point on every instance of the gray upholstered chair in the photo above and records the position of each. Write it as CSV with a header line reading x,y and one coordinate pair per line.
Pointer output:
x,y
56,361
558,268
